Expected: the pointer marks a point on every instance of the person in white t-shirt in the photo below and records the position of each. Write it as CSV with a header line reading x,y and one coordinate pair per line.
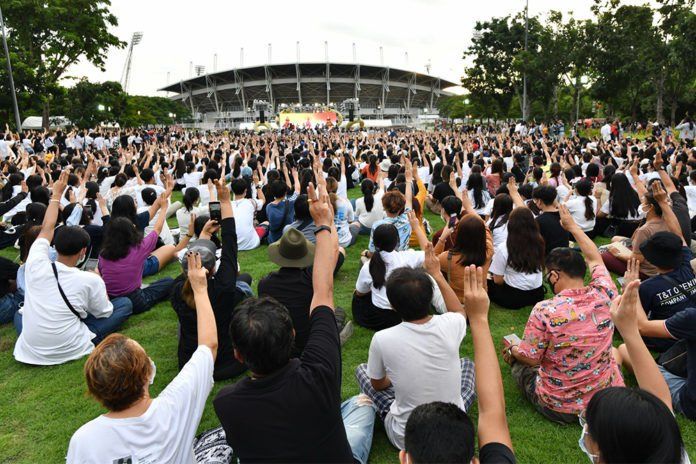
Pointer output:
x,y
691,194
417,361
371,306
605,131
248,236
517,276
66,311
138,428
583,206
191,177
368,208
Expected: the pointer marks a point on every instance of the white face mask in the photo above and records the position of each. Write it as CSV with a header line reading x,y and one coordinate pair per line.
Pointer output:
x,y
153,372
643,209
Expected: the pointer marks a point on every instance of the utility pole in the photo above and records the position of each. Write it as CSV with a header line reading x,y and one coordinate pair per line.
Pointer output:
x,y
18,121
524,76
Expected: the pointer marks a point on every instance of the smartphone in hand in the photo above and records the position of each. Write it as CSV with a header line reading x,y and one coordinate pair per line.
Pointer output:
x,y
215,212
511,340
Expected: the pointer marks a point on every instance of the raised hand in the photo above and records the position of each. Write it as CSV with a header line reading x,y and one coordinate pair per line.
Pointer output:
x,y
320,207
567,221
624,309
223,193
475,295
659,192
632,271
196,273
61,184
413,220
431,263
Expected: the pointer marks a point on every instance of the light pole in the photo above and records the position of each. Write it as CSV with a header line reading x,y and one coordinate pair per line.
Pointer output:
x,y
18,121
524,76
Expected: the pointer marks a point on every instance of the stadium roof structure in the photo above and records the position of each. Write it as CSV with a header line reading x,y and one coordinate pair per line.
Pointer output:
x,y
383,92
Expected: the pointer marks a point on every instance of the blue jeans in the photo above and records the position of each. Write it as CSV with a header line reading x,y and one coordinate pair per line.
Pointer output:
x,y
101,326
145,298
676,384
358,415
9,304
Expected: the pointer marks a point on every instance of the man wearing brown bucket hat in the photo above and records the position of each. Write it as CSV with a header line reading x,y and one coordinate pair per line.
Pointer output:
x,y
292,284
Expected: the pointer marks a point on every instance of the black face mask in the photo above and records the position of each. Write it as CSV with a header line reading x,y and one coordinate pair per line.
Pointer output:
x,y
551,285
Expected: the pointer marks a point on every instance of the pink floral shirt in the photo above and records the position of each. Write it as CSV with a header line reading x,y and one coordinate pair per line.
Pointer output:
x,y
571,334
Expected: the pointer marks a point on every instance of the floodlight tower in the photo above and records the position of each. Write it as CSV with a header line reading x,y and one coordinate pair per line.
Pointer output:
x,y
125,76
200,69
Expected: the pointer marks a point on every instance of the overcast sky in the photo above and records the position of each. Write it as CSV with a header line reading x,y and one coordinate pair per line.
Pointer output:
x,y
178,32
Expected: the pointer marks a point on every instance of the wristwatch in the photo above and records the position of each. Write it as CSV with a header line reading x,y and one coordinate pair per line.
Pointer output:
x,y
322,228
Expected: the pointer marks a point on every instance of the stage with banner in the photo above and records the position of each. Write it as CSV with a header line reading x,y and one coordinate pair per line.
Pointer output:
x,y
309,119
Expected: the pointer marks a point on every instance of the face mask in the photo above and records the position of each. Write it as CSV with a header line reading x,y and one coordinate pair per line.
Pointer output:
x,y
550,284
644,209
153,371
581,444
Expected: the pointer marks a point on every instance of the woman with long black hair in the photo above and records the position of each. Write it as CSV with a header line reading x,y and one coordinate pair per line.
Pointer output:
x,y
583,206
500,214
517,265
371,307
622,207
478,195
126,257
371,170
368,209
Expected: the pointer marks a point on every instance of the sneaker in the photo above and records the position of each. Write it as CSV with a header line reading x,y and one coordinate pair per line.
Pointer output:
x,y
345,326
346,332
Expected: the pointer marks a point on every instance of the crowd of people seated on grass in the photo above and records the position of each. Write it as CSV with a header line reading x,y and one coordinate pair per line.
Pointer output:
x,y
522,212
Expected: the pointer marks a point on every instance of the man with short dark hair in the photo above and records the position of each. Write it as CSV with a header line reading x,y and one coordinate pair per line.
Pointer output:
x,y
248,236
290,410
441,432
280,211
66,311
417,361
565,355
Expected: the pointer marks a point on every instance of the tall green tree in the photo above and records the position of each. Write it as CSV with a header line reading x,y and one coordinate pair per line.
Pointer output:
x,y
624,60
677,28
88,104
46,38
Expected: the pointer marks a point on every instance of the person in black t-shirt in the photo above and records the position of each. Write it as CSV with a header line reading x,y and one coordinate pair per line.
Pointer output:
x,y
674,288
441,191
550,220
292,284
441,432
290,410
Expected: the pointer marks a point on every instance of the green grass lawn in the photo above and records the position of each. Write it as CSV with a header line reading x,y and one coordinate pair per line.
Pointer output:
x,y
41,407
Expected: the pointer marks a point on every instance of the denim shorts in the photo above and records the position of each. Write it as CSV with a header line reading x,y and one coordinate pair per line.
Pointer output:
x,y
675,384
151,266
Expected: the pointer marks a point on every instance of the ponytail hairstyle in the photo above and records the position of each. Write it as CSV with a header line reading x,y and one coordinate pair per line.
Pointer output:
x,y
368,190
385,238
332,188
584,188
372,166
191,196
190,167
